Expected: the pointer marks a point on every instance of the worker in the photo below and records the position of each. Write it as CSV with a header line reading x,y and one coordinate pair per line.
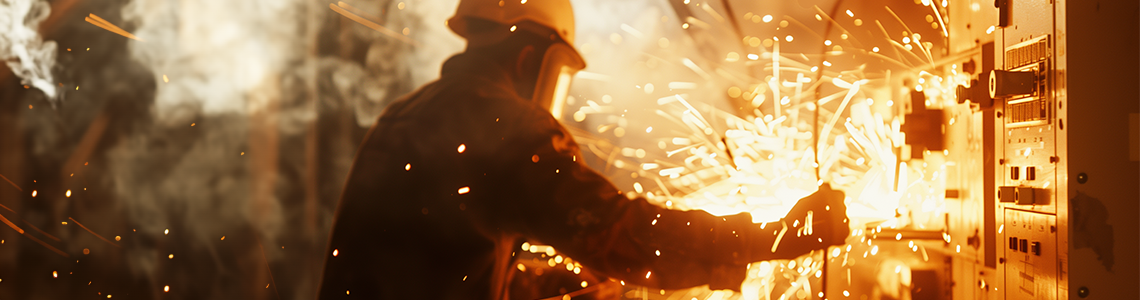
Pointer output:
x,y
453,178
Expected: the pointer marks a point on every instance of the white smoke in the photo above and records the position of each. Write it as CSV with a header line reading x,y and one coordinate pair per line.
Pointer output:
x,y
214,52
21,47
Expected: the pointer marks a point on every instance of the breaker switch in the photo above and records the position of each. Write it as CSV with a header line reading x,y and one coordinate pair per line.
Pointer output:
x,y
1025,196
1013,243
1036,248
1024,243
1004,84
1007,194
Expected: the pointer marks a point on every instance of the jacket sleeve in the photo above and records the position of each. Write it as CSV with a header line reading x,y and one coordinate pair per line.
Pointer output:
x,y
557,200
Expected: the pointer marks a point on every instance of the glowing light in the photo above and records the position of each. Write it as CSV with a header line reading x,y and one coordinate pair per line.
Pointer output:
x,y
788,38
767,18
171,256
875,49
850,14
336,252
513,27
658,252
408,167
97,21
166,232
68,193
462,147
34,193
166,289
54,274
584,284
898,236
647,274
117,238
464,190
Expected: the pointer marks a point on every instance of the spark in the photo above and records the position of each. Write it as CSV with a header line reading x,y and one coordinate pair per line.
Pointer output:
x,y
776,243
13,183
358,16
95,234
97,21
632,31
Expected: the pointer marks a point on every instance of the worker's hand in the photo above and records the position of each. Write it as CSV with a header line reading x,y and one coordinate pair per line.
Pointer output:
x,y
820,219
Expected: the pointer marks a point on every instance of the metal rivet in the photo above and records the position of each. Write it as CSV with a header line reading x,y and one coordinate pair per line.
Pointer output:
x,y
1083,292
1082,178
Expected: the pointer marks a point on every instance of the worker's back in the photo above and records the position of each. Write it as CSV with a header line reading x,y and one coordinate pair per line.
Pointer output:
x,y
429,194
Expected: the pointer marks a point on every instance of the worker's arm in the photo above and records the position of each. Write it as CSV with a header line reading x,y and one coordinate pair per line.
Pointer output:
x,y
564,203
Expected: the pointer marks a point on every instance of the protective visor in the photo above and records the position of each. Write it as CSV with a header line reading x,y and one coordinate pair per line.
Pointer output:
x,y
559,64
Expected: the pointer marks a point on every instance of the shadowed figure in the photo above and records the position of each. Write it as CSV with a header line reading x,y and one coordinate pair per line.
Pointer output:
x,y
455,176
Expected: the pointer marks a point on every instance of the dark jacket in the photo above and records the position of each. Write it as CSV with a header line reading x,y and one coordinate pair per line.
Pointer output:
x,y
455,176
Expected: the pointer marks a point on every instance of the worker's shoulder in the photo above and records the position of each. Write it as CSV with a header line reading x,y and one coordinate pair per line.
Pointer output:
x,y
463,98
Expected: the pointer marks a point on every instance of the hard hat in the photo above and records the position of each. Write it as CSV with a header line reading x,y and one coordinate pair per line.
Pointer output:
x,y
553,14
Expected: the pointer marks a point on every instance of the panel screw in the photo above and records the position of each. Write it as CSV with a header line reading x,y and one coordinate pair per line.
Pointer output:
x,y
1083,292
1082,178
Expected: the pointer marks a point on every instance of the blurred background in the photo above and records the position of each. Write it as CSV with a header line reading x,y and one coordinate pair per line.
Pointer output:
x,y
162,149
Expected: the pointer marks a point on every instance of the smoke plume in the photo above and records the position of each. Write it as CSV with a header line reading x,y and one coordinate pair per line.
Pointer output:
x,y
21,47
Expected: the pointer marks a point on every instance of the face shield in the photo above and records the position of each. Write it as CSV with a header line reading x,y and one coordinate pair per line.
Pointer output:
x,y
559,64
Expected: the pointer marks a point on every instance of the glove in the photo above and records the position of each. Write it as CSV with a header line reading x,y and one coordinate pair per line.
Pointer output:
x,y
818,220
